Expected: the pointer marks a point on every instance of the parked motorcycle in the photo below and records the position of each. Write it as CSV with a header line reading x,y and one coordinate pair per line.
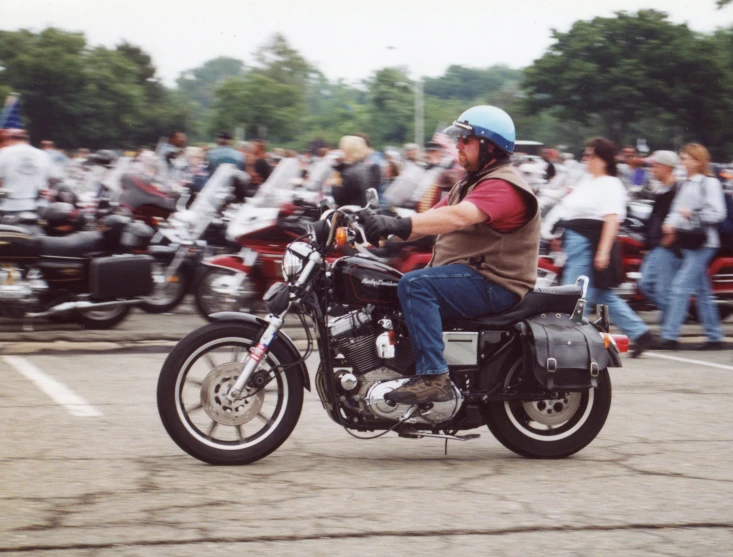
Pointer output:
x,y
231,392
263,227
95,276
190,235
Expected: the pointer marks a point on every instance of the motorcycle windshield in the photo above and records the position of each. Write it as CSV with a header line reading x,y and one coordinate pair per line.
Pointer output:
x,y
320,172
278,188
111,179
212,195
399,193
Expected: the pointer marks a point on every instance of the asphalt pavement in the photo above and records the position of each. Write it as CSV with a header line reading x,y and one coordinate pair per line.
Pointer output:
x,y
88,470
143,331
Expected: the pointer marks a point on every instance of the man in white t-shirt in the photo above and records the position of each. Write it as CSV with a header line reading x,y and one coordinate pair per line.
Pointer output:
x,y
24,171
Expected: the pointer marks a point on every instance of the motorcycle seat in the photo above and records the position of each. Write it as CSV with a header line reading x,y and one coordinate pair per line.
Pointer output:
x,y
73,245
550,299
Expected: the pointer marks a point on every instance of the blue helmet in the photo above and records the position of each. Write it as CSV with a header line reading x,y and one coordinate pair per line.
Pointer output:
x,y
486,121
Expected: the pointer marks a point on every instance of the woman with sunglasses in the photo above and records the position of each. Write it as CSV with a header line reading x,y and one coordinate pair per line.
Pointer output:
x,y
592,213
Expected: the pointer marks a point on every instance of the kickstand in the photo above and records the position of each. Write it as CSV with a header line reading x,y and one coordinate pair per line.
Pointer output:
x,y
446,447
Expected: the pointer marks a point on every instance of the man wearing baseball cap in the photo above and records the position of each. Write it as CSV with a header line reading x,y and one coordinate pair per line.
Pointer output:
x,y
661,262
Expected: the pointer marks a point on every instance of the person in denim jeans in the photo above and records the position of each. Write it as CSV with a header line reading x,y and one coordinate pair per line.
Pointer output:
x,y
662,262
592,213
701,195
485,256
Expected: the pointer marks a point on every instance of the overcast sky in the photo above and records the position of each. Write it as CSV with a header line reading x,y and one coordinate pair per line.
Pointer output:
x,y
345,39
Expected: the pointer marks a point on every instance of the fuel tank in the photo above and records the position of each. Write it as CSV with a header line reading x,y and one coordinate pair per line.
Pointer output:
x,y
18,244
362,281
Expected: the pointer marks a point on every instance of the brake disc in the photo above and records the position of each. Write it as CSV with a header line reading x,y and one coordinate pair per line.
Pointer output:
x,y
218,407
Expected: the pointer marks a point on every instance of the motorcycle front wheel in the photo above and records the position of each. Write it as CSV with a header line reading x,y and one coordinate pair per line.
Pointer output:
x,y
198,416
214,293
555,428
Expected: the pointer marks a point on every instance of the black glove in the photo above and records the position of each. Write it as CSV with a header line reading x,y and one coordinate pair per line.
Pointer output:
x,y
381,226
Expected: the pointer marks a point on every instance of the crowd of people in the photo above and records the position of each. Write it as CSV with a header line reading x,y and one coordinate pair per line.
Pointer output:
x,y
583,202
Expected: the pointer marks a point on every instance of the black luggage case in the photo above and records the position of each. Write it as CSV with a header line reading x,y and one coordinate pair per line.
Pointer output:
x,y
121,277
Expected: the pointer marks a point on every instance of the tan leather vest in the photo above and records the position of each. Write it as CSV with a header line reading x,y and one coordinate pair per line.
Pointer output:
x,y
507,259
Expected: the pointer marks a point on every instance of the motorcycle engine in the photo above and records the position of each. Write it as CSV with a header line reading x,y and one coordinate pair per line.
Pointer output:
x,y
355,336
19,293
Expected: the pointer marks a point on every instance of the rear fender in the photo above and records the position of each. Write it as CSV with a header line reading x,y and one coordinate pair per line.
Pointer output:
x,y
281,338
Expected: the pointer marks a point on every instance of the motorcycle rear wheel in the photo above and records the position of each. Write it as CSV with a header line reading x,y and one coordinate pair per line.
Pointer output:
x,y
200,419
166,297
102,318
552,428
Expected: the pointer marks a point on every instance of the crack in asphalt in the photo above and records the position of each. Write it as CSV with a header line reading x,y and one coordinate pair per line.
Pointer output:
x,y
375,534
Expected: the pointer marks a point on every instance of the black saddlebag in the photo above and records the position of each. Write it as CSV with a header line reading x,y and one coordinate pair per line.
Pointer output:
x,y
121,276
563,354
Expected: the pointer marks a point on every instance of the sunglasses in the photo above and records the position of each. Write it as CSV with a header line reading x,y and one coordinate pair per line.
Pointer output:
x,y
463,139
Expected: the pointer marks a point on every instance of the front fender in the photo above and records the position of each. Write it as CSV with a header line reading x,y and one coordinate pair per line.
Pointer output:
x,y
281,337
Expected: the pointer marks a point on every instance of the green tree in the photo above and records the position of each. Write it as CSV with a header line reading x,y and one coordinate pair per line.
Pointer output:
x,y
279,61
154,90
47,69
391,101
200,84
265,106
626,68
82,96
469,84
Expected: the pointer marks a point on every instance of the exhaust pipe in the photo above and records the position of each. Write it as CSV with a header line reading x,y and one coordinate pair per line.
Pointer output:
x,y
82,305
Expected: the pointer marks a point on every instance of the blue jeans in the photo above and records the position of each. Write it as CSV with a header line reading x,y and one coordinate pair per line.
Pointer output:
x,y
449,292
692,279
657,271
579,251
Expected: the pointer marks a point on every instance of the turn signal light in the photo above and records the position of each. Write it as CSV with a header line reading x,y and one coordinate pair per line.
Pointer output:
x,y
341,236
621,342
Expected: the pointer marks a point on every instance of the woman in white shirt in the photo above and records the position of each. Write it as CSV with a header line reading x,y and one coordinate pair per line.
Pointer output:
x,y
591,214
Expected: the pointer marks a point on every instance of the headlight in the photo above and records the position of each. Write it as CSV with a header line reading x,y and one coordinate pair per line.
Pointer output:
x,y
295,258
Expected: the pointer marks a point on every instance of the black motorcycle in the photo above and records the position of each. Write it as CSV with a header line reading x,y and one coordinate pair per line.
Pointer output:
x,y
231,392
93,276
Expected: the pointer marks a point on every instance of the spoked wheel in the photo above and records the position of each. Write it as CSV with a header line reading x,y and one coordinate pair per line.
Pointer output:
x,y
218,291
196,413
553,428
103,318
167,294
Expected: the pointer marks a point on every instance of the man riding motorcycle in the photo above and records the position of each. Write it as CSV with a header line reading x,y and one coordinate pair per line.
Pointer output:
x,y
485,257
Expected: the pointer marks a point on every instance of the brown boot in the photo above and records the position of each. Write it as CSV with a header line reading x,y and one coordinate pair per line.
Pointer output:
x,y
422,389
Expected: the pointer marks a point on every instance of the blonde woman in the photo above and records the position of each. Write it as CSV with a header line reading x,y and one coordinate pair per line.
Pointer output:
x,y
699,198
355,178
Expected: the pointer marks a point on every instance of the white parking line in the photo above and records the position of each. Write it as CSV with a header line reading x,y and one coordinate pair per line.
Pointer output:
x,y
688,361
59,393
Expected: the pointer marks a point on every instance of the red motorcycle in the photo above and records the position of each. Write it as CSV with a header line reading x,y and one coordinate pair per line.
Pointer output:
x,y
238,281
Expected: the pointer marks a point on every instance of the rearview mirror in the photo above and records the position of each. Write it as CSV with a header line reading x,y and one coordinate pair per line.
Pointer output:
x,y
372,199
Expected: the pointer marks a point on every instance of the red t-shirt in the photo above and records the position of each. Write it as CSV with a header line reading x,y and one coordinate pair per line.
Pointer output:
x,y
505,208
